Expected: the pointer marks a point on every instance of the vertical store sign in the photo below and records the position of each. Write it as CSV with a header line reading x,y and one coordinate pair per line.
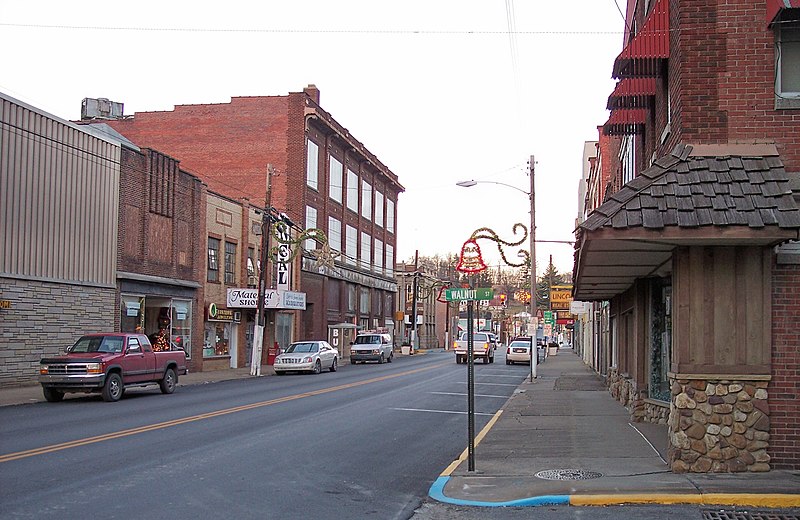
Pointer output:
x,y
283,256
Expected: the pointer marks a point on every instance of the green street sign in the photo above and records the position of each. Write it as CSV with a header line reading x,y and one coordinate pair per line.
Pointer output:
x,y
458,295
548,317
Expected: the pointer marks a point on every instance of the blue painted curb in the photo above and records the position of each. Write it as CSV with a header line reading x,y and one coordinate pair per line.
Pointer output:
x,y
436,492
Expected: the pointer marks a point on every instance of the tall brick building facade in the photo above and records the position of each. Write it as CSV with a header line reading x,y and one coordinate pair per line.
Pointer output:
x,y
695,244
323,178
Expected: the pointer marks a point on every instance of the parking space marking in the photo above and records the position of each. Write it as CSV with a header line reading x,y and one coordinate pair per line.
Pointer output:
x,y
476,395
436,411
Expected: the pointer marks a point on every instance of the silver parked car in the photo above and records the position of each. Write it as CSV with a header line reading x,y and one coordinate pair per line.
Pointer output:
x,y
307,356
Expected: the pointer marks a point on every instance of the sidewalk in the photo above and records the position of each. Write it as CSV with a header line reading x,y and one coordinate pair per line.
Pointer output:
x,y
567,425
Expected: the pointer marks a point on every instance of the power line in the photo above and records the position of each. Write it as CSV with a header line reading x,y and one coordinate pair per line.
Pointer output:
x,y
421,32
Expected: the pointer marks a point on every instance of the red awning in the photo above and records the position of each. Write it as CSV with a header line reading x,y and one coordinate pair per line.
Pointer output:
x,y
632,93
774,7
643,54
625,121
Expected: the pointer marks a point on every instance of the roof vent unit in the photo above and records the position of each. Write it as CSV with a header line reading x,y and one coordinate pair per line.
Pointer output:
x,y
100,108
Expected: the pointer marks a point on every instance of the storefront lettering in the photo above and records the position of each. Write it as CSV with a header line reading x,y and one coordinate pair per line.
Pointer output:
x,y
273,299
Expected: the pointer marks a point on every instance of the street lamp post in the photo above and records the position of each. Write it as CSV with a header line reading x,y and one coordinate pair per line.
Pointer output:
x,y
532,196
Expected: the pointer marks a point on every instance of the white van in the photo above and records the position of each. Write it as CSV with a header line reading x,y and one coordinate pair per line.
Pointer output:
x,y
372,347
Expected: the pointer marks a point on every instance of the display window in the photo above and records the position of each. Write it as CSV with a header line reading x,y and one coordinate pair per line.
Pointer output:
x,y
167,322
217,339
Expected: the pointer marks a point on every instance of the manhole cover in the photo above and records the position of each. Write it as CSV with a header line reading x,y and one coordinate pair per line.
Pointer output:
x,y
568,474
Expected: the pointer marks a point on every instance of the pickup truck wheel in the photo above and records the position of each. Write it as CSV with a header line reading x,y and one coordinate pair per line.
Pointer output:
x,y
486,360
389,359
334,365
491,359
52,395
382,359
113,389
169,382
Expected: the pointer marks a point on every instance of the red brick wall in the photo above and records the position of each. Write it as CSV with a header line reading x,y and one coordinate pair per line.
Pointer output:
x,y
722,77
168,245
784,389
230,145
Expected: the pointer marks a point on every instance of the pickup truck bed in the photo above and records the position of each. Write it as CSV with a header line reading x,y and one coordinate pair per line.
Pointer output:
x,y
482,347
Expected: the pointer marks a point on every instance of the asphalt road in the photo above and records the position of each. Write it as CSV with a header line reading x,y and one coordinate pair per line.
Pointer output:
x,y
366,441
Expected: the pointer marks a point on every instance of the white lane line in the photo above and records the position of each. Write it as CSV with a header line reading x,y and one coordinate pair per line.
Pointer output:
x,y
476,395
493,384
500,375
436,411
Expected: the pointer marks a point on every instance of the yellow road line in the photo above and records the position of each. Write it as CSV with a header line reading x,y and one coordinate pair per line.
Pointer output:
x,y
209,415
464,454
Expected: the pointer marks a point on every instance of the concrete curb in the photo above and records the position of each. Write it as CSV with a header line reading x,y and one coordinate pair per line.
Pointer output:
x,y
776,500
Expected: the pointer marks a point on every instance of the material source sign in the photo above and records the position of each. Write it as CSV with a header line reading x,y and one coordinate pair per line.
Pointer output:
x,y
273,299
457,295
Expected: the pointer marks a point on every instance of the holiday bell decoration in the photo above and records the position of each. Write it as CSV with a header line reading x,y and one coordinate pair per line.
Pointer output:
x,y
471,260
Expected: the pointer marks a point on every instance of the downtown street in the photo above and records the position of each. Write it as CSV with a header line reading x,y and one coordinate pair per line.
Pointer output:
x,y
367,440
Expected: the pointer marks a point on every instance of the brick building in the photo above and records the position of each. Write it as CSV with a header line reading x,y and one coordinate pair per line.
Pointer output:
x,y
97,235
694,248
160,268
323,178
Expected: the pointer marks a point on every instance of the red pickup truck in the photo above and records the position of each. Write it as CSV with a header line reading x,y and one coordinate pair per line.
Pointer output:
x,y
108,363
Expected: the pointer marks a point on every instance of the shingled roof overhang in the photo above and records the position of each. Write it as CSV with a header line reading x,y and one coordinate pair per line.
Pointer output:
x,y
703,195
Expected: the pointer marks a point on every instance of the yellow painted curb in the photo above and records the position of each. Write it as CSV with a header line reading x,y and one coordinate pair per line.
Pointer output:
x,y
464,454
728,499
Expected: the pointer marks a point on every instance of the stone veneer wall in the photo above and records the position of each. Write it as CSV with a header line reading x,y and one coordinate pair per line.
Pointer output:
x,y
718,426
641,409
43,319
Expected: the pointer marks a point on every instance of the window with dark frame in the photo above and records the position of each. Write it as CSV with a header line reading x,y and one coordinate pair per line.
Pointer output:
x,y
787,64
213,259
230,263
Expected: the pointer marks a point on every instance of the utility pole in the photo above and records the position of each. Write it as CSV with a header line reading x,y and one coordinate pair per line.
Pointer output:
x,y
534,310
258,336
414,302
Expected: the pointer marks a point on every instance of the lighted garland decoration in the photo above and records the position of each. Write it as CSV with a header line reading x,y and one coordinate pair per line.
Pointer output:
x,y
324,256
489,234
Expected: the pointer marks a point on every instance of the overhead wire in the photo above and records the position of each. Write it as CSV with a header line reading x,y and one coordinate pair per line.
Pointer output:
x,y
302,31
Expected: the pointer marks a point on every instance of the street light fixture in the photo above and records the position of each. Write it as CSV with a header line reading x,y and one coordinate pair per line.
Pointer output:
x,y
532,196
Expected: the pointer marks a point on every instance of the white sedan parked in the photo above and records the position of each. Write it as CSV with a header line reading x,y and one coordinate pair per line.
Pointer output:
x,y
307,356
518,351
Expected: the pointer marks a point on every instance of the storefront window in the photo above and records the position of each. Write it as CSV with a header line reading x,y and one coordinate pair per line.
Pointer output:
x,y
132,313
283,328
182,325
217,339
661,339
166,320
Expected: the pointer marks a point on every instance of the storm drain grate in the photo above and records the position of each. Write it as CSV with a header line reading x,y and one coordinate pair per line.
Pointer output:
x,y
568,474
721,514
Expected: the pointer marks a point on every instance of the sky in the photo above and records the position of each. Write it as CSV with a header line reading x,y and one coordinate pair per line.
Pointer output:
x,y
441,91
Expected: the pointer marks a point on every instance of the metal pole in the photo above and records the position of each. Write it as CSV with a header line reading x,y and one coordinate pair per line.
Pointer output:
x,y
414,344
534,310
258,336
470,386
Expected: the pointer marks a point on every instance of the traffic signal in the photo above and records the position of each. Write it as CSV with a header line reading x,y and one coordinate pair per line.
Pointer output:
x,y
503,300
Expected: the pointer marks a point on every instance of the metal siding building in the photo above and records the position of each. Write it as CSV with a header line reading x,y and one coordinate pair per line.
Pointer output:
x,y
59,206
